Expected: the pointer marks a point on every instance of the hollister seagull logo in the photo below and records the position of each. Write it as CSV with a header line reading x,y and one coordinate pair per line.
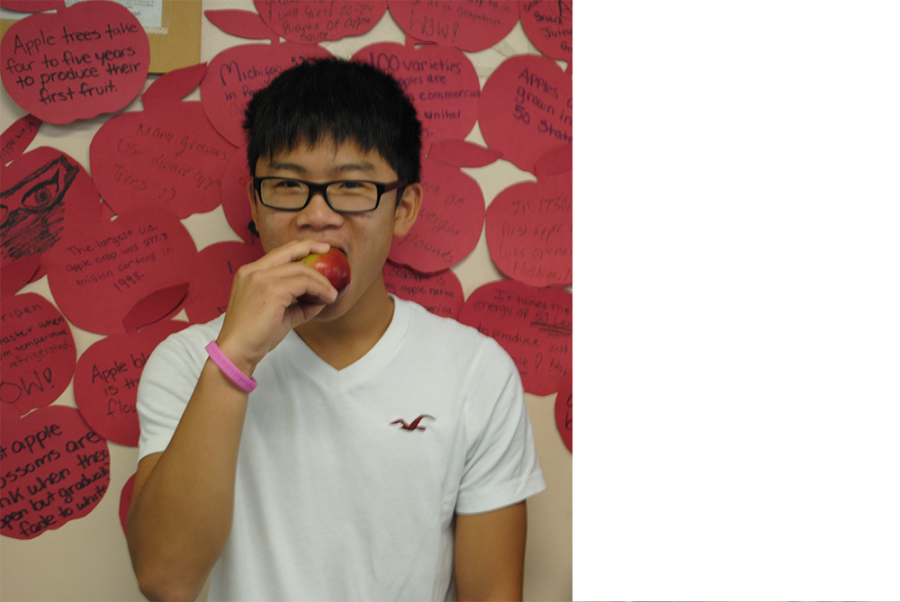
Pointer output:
x,y
414,425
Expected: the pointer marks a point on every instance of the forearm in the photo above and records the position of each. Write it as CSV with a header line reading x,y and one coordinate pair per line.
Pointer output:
x,y
183,500
490,554
182,509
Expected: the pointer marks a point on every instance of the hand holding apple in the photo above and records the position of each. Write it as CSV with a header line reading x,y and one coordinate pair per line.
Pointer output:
x,y
334,266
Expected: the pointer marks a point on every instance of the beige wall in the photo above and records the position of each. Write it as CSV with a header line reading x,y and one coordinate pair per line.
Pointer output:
x,y
87,559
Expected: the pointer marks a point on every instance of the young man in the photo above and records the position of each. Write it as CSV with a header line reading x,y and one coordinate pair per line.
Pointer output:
x,y
386,453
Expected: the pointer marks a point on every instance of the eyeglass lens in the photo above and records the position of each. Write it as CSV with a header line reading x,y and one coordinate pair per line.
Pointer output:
x,y
343,196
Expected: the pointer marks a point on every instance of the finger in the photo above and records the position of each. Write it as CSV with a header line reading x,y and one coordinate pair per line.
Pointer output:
x,y
290,252
316,290
301,312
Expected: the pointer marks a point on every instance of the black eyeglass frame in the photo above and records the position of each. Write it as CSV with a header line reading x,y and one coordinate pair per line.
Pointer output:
x,y
322,187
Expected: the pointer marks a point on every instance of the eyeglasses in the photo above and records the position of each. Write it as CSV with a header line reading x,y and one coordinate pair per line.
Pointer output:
x,y
343,196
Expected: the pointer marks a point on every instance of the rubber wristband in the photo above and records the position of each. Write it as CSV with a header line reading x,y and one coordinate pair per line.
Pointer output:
x,y
246,383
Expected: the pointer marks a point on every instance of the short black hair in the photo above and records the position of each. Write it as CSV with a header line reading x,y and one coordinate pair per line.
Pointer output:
x,y
341,99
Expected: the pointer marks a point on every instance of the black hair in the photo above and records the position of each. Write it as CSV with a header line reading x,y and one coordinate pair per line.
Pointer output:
x,y
336,98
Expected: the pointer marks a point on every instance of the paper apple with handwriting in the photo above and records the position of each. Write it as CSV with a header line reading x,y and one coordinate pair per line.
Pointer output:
x,y
469,26
314,21
440,80
76,63
440,293
168,155
528,227
38,353
236,73
449,223
123,274
526,109
533,325
548,25
562,408
56,469
107,377
334,266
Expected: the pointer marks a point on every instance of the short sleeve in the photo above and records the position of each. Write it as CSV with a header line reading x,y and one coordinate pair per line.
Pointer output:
x,y
501,466
167,383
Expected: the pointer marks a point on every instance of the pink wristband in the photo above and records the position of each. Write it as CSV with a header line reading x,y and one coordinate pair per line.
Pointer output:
x,y
243,381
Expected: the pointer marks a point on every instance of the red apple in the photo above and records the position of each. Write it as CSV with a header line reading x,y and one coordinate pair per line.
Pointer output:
x,y
334,266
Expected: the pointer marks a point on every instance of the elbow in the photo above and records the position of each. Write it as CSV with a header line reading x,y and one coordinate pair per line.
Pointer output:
x,y
162,587
163,574
160,580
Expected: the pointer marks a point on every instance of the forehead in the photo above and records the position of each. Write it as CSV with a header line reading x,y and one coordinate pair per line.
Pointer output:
x,y
328,155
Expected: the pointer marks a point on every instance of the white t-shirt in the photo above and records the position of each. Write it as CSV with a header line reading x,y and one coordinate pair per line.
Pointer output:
x,y
348,480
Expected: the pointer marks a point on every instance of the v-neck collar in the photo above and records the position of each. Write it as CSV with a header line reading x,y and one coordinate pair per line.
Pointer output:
x,y
318,368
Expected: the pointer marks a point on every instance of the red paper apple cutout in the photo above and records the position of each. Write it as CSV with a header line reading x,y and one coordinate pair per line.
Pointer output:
x,y
211,277
533,325
526,109
123,274
529,230
440,293
449,223
562,408
77,63
38,353
469,26
334,266
441,82
125,502
235,197
236,73
168,155
107,377
55,469
314,21
45,193
548,25
16,138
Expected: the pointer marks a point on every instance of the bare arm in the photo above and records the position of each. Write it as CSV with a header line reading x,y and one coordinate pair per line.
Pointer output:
x,y
490,554
183,500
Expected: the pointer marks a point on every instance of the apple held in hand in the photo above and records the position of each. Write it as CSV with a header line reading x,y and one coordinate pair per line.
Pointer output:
x,y
334,266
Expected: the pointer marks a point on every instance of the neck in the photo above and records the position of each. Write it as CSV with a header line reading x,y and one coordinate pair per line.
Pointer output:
x,y
345,339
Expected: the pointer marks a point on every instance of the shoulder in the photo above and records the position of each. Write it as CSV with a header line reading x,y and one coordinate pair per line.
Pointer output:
x,y
447,332
187,344
453,344
423,321
174,366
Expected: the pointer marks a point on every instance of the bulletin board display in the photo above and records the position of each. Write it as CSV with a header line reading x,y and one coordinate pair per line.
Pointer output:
x,y
175,44
143,204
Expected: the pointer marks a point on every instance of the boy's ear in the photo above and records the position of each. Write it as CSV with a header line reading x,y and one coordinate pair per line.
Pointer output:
x,y
408,209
